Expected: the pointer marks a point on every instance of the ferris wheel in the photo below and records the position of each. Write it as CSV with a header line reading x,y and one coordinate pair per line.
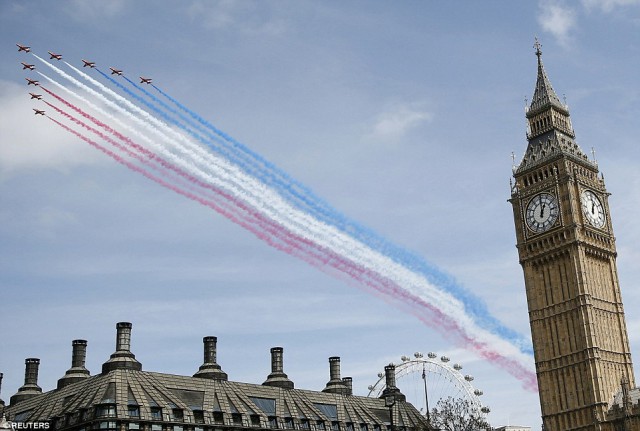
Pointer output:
x,y
425,381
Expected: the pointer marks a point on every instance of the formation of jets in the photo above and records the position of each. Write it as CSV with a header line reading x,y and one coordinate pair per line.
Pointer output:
x,y
55,56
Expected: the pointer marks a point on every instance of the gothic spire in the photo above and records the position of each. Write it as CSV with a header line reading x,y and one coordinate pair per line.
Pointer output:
x,y
549,132
544,97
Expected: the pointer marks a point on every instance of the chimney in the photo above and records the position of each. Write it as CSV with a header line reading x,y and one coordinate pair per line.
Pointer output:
x,y
210,368
348,381
335,384
1,376
77,372
391,390
122,358
30,388
277,377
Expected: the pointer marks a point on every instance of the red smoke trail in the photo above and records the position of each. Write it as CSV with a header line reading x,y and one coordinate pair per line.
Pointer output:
x,y
317,256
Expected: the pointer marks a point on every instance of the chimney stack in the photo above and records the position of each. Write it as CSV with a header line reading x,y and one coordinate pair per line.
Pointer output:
x,y
30,388
1,376
210,368
348,382
277,377
122,358
77,372
391,390
335,384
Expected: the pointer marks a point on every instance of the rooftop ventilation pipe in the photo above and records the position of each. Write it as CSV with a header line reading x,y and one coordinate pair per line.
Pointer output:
x,y
348,382
210,368
122,358
277,377
77,372
391,390
30,388
335,384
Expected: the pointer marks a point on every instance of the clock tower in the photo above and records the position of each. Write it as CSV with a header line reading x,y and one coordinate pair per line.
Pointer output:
x,y
567,251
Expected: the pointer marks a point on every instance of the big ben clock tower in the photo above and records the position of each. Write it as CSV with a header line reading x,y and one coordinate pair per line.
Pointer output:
x,y
567,251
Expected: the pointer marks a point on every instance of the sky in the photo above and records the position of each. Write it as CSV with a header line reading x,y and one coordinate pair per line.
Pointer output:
x,y
402,115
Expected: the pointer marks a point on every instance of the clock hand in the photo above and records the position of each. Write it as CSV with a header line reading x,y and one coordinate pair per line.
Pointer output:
x,y
542,210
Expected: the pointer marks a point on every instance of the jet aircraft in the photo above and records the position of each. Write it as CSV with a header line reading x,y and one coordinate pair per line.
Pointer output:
x,y
23,48
36,96
115,71
145,80
91,64
56,56
32,82
38,112
27,66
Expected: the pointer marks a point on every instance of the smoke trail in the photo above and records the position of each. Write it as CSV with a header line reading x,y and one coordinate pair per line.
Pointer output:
x,y
444,323
322,211
472,304
413,286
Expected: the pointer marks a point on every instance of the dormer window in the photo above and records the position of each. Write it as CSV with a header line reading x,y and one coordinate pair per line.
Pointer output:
x,y
105,410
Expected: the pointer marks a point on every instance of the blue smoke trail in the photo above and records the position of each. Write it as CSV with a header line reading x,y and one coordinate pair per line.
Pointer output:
x,y
305,199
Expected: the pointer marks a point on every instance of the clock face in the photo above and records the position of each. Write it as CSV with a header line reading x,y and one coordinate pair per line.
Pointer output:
x,y
542,212
592,209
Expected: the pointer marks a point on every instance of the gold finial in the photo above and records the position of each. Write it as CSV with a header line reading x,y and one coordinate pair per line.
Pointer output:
x,y
537,45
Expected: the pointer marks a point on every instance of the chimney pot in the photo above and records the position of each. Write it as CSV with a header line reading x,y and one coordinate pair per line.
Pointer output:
x,y
122,358
335,383
30,387
77,372
1,376
210,368
348,382
391,389
277,377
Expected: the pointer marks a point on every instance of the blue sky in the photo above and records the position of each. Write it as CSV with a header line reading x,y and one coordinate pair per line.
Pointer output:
x,y
402,115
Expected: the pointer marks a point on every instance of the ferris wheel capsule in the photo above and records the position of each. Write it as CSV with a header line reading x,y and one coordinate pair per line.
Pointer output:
x,y
380,375
431,355
468,378
418,355
485,409
478,392
457,367
405,358
370,387
445,359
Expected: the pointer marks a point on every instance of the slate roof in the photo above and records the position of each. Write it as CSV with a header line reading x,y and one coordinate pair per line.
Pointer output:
x,y
207,401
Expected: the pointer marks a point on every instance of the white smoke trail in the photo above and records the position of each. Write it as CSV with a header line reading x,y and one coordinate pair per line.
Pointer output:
x,y
270,203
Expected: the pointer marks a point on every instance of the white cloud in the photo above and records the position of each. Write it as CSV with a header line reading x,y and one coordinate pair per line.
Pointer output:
x,y
558,20
249,17
395,122
30,141
608,5
81,9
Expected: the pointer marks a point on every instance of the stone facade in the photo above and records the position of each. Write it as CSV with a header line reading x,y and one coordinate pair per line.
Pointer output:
x,y
567,251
